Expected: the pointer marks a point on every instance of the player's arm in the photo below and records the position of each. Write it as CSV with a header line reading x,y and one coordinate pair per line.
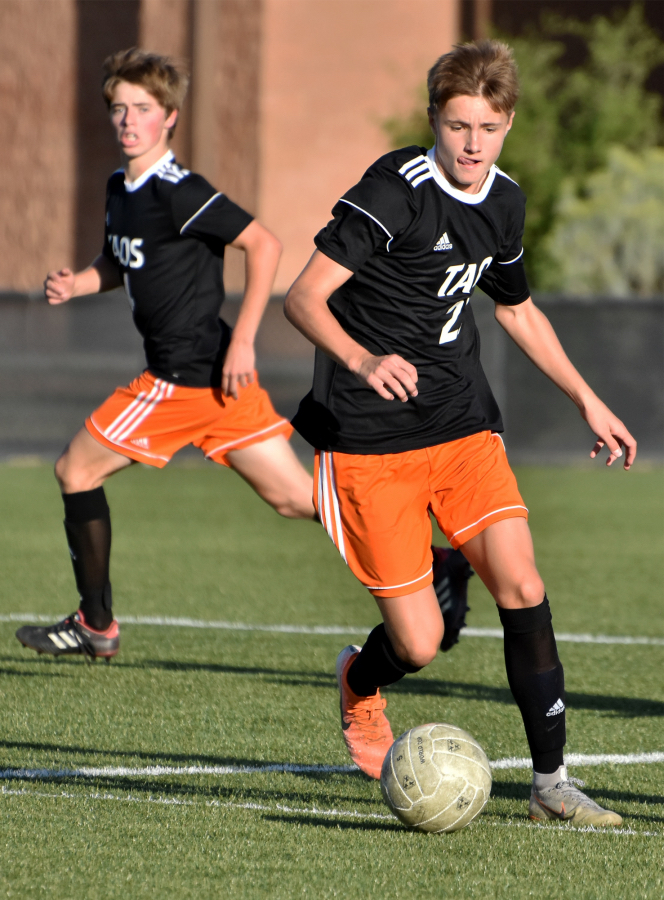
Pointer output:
x,y
306,308
531,331
64,284
262,251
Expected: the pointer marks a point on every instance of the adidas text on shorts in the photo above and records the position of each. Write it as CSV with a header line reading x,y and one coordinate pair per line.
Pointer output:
x,y
376,507
151,419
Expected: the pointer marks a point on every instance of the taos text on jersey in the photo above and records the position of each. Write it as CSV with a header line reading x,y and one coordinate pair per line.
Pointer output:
x,y
126,250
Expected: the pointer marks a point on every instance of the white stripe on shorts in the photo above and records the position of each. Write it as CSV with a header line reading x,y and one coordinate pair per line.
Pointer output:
x,y
330,513
245,437
132,410
337,512
149,405
393,587
492,513
325,505
117,422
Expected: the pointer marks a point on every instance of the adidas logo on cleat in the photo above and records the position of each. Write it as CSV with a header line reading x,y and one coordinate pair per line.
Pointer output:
x,y
557,708
443,243
64,639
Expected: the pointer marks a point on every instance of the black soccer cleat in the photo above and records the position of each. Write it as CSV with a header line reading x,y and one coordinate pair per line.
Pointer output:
x,y
451,572
72,637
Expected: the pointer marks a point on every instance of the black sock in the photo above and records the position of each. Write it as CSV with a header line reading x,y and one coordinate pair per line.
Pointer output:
x,y
88,528
535,676
377,665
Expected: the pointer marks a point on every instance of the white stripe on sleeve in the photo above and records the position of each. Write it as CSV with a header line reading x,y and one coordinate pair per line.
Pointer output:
x,y
380,224
203,207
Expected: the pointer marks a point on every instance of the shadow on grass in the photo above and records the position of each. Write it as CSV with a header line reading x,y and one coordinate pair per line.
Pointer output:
x,y
277,676
160,758
225,796
617,707
174,786
234,796
507,790
50,664
18,673
620,707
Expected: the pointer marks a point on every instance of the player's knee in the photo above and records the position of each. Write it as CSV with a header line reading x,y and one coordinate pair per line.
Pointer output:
x,y
284,507
529,591
72,478
293,507
60,469
420,650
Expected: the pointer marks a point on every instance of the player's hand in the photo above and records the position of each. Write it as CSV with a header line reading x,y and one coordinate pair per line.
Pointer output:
x,y
610,432
390,376
238,370
59,286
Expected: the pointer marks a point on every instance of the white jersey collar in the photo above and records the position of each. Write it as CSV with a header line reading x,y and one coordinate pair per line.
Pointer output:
x,y
463,196
140,181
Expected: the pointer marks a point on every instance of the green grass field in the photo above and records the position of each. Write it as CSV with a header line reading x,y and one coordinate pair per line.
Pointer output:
x,y
195,542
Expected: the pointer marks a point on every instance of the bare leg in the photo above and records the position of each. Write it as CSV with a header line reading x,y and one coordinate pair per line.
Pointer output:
x,y
86,464
406,641
414,625
278,477
504,558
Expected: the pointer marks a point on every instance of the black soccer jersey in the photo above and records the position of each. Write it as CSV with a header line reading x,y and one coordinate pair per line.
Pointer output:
x,y
166,233
417,247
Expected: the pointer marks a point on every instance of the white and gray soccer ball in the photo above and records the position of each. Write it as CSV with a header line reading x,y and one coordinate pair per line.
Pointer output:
x,y
436,778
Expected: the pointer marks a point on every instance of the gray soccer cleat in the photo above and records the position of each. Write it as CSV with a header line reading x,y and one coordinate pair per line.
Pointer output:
x,y
564,802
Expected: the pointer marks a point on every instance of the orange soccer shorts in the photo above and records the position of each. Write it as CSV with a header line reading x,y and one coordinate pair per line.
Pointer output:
x,y
376,508
151,419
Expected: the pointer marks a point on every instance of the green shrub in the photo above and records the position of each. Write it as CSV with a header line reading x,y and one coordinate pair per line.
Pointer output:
x,y
611,240
567,120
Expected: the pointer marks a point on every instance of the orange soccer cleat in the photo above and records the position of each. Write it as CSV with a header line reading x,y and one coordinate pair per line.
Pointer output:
x,y
366,728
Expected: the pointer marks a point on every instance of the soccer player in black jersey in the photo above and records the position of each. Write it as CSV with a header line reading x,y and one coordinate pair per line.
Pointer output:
x,y
166,229
403,419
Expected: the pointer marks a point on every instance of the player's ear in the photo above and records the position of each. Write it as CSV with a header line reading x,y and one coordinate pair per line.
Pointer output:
x,y
431,112
171,119
510,120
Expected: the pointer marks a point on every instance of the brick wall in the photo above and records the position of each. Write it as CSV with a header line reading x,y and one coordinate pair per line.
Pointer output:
x,y
284,113
37,103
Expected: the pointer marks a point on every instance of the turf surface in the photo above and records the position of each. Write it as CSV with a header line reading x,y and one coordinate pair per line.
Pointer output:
x,y
196,542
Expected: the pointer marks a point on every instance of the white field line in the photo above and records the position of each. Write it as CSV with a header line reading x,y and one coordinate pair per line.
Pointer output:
x,y
174,801
161,771
309,811
585,759
169,621
512,762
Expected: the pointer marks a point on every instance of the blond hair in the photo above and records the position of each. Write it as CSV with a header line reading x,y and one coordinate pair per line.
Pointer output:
x,y
480,69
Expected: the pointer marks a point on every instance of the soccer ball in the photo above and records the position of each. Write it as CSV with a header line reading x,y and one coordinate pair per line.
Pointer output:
x,y
436,778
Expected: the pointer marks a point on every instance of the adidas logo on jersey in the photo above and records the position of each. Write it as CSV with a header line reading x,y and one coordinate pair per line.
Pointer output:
x,y
443,243
141,442
557,708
